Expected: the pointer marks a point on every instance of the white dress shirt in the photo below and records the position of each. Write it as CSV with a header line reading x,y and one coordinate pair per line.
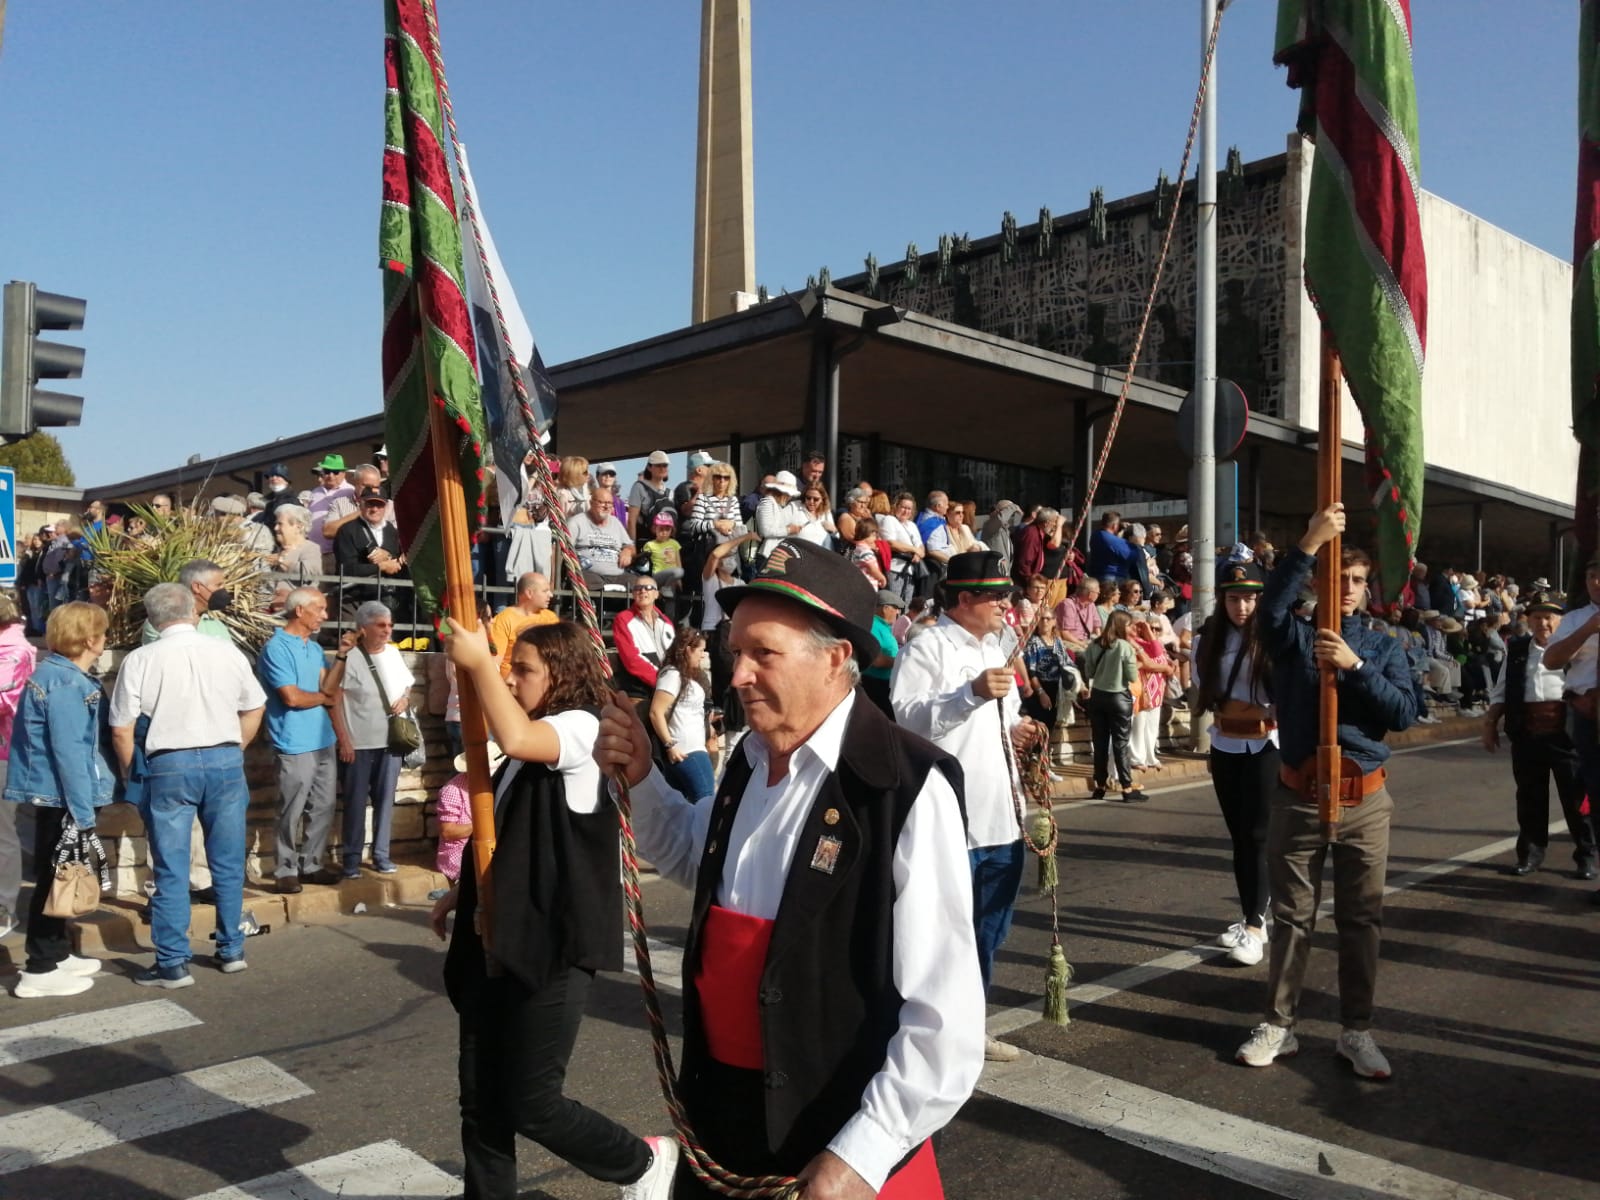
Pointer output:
x,y
1540,684
1241,690
192,688
1580,667
935,1057
931,690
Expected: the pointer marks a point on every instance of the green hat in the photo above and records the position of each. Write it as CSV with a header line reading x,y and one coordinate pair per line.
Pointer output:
x,y
331,462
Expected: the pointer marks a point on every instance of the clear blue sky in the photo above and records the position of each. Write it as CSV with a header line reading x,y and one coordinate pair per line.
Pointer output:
x,y
207,174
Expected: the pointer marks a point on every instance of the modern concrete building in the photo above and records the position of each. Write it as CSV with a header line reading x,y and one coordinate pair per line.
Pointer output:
x,y
989,368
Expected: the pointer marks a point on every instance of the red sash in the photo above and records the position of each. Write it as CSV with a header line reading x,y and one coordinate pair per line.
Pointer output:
x,y
728,983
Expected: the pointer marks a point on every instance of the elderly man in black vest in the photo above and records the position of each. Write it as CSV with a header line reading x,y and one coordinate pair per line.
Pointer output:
x,y
833,1011
1527,693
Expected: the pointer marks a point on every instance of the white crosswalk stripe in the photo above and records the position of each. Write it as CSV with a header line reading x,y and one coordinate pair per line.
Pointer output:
x,y
381,1169
61,1131
80,1031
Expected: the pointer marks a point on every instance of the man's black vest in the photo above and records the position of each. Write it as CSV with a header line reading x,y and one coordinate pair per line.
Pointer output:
x,y
828,1002
1517,685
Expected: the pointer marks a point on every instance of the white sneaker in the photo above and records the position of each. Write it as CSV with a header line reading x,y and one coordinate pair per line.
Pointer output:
x,y
32,986
1361,1052
655,1183
74,965
1267,1042
1247,952
1229,937
995,1050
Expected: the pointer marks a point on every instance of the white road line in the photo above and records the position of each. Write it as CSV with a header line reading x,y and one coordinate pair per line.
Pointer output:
x,y
666,962
1275,1160
24,1043
381,1169
61,1131
1009,1020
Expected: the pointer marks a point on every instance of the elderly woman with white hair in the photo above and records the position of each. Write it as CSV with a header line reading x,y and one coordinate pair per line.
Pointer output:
x,y
297,556
377,684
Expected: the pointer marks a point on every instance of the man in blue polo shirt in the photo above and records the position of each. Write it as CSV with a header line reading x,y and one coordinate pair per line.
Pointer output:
x,y
300,686
1375,697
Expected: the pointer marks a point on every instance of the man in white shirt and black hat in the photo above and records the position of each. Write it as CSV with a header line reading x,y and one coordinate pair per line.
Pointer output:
x,y
1527,692
833,1010
1575,649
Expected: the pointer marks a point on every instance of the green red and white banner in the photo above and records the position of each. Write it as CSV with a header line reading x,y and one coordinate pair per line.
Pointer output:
x,y
429,356
1365,268
1586,294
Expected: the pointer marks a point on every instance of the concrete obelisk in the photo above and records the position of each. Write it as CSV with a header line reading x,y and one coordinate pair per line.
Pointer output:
x,y
724,188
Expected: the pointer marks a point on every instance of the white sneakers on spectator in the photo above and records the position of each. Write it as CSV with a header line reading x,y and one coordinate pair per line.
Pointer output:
x,y
1358,1049
71,976
656,1182
1266,1044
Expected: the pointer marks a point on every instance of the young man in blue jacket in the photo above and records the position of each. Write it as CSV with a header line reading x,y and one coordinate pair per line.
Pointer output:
x,y
1375,697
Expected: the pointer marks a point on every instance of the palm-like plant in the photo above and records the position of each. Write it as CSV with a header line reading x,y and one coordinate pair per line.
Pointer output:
x,y
135,565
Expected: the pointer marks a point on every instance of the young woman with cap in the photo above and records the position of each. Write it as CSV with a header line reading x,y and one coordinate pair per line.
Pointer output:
x,y
1234,680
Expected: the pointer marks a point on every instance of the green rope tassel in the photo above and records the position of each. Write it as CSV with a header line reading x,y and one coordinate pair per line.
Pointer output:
x,y
1055,987
1042,834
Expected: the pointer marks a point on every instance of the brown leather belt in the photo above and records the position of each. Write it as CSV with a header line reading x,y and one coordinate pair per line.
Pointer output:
x,y
1354,787
1544,717
1244,727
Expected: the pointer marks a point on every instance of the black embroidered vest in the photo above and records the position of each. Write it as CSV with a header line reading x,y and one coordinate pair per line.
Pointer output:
x,y
828,1002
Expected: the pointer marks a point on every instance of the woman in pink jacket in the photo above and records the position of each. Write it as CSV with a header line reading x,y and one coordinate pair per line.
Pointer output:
x,y
16,664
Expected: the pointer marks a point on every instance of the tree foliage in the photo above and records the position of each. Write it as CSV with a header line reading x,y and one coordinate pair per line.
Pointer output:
x,y
38,459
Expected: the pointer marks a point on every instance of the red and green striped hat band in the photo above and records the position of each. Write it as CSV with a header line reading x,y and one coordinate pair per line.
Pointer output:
x,y
1246,585
794,592
992,583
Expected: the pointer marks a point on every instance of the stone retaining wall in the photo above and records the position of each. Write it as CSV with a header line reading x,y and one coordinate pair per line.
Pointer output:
x,y
414,827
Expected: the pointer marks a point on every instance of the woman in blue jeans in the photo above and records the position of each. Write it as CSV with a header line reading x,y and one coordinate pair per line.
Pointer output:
x,y
678,713
58,764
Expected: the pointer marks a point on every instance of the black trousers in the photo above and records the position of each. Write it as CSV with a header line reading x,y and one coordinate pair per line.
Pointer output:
x,y
1245,784
48,941
1110,723
515,1045
1534,761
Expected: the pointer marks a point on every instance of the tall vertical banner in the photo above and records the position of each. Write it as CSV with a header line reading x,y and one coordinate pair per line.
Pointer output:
x,y
1586,297
1365,267
496,319
429,356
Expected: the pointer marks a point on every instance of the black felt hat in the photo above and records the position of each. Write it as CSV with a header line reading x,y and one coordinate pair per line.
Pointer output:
x,y
1545,605
1241,577
977,571
828,584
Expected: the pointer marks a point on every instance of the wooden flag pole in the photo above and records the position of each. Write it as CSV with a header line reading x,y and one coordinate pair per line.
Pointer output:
x,y
1329,492
462,605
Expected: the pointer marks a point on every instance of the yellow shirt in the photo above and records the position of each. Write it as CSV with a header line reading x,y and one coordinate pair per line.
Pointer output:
x,y
505,627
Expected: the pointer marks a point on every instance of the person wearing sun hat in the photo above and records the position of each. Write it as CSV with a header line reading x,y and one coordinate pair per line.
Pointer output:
x,y
955,686
1527,693
1233,679
833,1013
778,516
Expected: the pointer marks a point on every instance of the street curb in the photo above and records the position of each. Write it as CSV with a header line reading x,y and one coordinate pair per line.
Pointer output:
x,y
1179,767
118,926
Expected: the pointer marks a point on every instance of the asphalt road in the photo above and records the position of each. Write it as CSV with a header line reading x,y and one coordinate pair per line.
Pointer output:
x,y
341,1041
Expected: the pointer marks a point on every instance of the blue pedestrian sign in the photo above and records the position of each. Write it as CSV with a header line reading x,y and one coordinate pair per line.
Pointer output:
x,y
8,527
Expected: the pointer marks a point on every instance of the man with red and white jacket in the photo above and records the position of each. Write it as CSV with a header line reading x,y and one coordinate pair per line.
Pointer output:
x,y
642,636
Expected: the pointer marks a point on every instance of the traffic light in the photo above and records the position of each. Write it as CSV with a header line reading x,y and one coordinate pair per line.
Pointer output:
x,y
26,360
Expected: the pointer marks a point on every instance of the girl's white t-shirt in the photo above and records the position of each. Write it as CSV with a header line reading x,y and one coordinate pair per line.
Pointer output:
x,y
576,731
688,723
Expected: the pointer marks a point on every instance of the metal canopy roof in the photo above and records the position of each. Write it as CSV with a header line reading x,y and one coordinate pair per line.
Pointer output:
x,y
922,382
